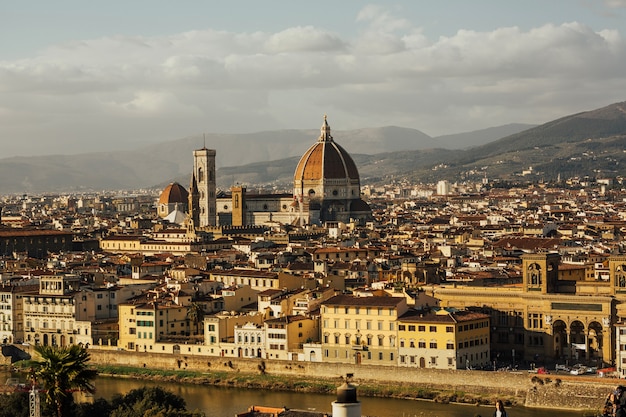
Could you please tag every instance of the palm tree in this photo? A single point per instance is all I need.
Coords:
(195, 314)
(60, 370)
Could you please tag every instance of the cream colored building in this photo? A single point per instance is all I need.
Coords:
(12, 312)
(59, 314)
(361, 329)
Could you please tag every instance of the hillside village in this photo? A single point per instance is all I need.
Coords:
(446, 276)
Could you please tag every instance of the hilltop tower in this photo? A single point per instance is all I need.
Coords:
(203, 181)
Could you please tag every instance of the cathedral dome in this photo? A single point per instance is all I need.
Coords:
(174, 193)
(326, 160)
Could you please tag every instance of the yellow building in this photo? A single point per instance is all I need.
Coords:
(547, 319)
(148, 246)
(443, 339)
(285, 336)
(361, 329)
(154, 317)
(258, 280)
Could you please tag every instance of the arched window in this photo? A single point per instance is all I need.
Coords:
(200, 174)
(534, 273)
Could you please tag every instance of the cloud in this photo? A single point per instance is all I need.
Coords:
(615, 4)
(304, 39)
(138, 88)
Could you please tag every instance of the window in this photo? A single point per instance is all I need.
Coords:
(449, 345)
(411, 328)
(449, 329)
(433, 345)
(433, 329)
(422, 344)
(421, 328)
(402, 327)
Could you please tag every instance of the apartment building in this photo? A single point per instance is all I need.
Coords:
(443, 339)
(361, 329)
(284, 336)
(59, 313)
(12, 312)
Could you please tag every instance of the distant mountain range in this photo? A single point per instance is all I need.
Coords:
(589, 143)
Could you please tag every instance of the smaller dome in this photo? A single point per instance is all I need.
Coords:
(174, 193)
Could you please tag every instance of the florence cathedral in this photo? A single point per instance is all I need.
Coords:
(326, 188)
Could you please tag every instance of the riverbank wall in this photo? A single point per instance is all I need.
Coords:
(530, 390)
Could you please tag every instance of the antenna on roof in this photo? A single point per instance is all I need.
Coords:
(204, 139)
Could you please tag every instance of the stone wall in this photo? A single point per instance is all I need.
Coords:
(545, 391)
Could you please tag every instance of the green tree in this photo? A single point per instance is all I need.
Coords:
(14, 404)
(195, 314)
(61, 370)
(151, 402)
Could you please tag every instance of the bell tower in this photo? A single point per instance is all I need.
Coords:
(540, 272)
(617, 274)
(239, 205)
(204, 175)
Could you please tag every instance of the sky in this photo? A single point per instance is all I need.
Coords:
(81, 76)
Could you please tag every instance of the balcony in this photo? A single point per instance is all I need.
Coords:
(359, 347)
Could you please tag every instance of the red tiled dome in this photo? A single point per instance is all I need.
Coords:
(325, 160)
(174, 193)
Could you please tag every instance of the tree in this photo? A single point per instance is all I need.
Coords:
(14, 404)
(151, 402)
(195, 314)
(61, 370)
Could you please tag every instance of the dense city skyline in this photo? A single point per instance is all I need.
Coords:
(78, 77)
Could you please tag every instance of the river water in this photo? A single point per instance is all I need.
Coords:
(226, 402)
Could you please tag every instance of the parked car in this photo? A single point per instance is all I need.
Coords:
(560, 367)
(542, 370)
(578, 370)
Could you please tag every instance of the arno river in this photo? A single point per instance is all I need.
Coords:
(226, 402)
